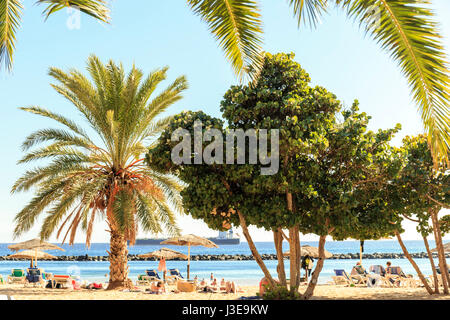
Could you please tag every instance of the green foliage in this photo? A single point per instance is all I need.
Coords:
(444, 224)
(421, 187)
(279, 292)
(328, 166)
(81, 180)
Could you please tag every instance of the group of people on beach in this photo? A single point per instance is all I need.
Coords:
(211, 286)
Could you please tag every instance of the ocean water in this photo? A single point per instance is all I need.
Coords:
(243, 272)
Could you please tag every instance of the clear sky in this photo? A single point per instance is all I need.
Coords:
(153, 34)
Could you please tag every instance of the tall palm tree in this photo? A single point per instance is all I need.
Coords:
(102, 175)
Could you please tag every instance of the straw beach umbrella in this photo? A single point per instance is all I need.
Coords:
(311, 251)
(190, 240)
(446, 248)
(30, 254)
(34, 244)
(164, 254)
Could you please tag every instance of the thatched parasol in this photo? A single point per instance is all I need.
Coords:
(30, 254)
(311, 251)
(36, 245)
(164, 253)
(190, 240)
(446, 248)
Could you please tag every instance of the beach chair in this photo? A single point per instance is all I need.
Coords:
(379, 270)
(359, 274)
(399, 277)
(342, 277)
(17, 276)
(174, 276)
(438, 270)
(35, 277)
(148, 277)
(61, 281)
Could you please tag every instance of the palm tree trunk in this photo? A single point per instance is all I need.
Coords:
(433, 266)
(315, 275)
(118, 276)
(440, 250)
(253, 249)
(415, 266)
(278, 240)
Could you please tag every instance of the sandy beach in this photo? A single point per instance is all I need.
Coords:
(322, 292)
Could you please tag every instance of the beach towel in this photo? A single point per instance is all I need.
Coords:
(373, 280)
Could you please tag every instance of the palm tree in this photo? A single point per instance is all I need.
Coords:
(84, 179)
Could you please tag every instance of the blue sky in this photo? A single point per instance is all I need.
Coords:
(153, 34)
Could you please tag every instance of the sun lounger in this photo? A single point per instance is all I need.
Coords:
(148, 277)
(342, 277)
(399, 277)
(438, 270)
(61, 281)
(359, 274)
(35, 277)
(174, 276)
(17, 276)
(381, 272)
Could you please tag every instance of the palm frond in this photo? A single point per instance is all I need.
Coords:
(94, 8)
(308, 10)
(237, 26)
(406, 30)
(10, 16)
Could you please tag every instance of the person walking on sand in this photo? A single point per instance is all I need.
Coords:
(307, 265)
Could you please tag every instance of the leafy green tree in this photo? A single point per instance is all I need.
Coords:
(424, 190)
(412, 189)
(326, 165)
(102, 175)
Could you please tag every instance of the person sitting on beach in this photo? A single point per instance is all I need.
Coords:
(223, 285)
(358, 269)
(211, 287)
(158, 288)
(395, 282)
(358, 273)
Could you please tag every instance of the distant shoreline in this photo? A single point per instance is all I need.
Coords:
(239, 257)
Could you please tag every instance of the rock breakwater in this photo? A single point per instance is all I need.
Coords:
(240, 257)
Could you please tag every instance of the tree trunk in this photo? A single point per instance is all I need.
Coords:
(440, 250)
(294, 256)
(415, 266)
(278, 240)
(315, 275)
(118, 275)
(433, 266)
(299, 256)
(253, 249)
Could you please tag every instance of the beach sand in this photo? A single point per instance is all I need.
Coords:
(322, 292)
